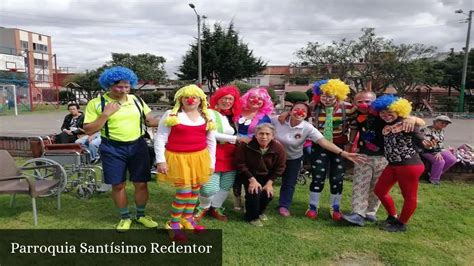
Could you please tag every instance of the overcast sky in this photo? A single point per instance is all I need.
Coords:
(85, 32)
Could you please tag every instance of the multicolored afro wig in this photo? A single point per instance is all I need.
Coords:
(113, 75)
(335, 87)
(266, 109)
(400, 106)
(188, 91)
(236, 109)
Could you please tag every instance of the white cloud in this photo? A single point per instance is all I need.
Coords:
(85, 32)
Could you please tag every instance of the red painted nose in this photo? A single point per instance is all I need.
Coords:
(190, 101)
(255, 101)
(300, 112)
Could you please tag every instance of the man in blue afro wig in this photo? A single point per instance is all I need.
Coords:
(120, 116)
(116, 74)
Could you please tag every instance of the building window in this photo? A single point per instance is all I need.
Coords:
(39, 37)
(41, 63)
(24, 45)
(40, 48)
(39, 77)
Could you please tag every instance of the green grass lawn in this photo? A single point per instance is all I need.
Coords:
(440, 233)
(37, 108)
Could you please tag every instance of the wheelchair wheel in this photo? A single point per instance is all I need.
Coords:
(301, 179)
(47, 173)
(84, 192)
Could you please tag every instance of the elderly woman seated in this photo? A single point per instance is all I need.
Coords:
(440, 158)
(259, 163)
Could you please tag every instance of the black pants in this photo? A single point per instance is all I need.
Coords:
(64, 138)
(255, 204)
(325, 163)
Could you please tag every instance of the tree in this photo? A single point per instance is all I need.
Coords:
(88, 82)
(148, 67)
(371, 61)
(225, 58)
(451, 67)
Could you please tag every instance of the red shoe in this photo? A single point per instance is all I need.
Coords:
(311, 214)
(199, 213)
(336, 216)
(218, 213)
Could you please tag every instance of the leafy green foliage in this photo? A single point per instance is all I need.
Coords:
(148, 67)
(225, 58)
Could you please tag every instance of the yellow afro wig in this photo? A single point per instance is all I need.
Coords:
(393, 103)
(187, 91)
(402, 107)
(336, 87)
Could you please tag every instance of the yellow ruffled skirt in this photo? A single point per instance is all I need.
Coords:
(187, 168)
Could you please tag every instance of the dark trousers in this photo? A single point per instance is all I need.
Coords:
(255, 204)
(325, 163)
(288, 182)
(63, 138)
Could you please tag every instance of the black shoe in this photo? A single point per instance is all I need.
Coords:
(394, 227)
(388, 221)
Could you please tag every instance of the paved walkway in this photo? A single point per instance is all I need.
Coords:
(461, 131)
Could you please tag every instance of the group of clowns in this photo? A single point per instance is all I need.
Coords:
(208, 149)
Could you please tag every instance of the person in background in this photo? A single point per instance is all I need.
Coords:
(440, 158)
(91, 143)
(72, 126)
(259, 163)
(119, 116)
(257, 105)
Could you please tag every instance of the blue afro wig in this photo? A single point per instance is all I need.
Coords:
(114, 74)
(317, 86)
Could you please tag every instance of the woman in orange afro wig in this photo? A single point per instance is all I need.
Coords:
(226, 110)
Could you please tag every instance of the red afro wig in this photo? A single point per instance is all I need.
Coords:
(236, 109)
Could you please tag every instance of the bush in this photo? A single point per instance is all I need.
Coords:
(296, 96)
(152, 97)
(66, 96)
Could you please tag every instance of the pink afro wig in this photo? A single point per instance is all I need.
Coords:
(266, 109)
(236, 109)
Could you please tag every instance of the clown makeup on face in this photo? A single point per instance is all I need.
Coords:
(190, 102)
(363, 100)
(328, 100)
(388, 116)
(299, 112)
(225, 102)
(255, 102)
(120, 89)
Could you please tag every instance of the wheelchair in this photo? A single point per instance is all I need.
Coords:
(79, 175)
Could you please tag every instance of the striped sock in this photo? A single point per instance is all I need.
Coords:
(124, 213)
(140, 210)
(179, 203)
(191, 202)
